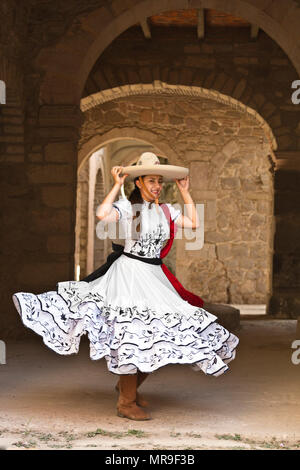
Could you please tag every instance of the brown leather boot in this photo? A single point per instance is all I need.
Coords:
(140, 400)
(127, 407)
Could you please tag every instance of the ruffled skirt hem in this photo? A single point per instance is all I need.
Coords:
(129, 339)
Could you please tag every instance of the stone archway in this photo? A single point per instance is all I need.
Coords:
(100, 27)
(92, 144)
(161, 88)
(219, 166)
(275, 19)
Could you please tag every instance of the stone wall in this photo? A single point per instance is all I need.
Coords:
(257, 73)
(230, 172)
(82, 217)
(47, 51)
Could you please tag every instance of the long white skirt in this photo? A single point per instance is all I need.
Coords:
(134, 318)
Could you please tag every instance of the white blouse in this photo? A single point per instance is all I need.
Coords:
(154, 227)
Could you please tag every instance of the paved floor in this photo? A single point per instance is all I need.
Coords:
(52, 401)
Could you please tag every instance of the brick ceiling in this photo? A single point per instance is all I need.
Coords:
(190, 18)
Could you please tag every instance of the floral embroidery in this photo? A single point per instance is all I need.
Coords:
(150, 245)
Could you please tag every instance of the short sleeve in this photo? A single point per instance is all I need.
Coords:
(174, 212)
(123, 206)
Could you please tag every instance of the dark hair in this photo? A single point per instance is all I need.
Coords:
(135, 195)
(136, 198)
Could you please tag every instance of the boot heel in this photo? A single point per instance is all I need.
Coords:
(127, 406)
(135, 418)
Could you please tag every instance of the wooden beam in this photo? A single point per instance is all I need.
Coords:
(146, 28)
(201, 24)
(254, 31)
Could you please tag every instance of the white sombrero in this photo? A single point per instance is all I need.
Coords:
(148, 164)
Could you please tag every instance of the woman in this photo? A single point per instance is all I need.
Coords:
(133, 314)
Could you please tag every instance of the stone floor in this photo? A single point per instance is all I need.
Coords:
(52, 401)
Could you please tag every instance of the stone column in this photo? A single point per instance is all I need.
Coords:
(93, 168)
(15, 196)
(49, 199)
(82, 217)
(108, 183)
(285, 299)
(98, 198)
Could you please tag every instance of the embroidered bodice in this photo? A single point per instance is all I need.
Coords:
(154, 228)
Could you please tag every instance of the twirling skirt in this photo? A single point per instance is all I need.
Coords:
(133, 317)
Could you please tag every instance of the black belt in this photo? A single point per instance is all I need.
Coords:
(118, 250)
(145, 260)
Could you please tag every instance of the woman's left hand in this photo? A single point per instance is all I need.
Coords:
(183, 183)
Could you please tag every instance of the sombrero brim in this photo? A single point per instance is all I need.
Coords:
(169, 172)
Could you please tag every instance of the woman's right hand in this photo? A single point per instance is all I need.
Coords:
(115, 171)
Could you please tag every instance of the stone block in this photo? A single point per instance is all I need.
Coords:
(257, 220)
(257, 196)
(259, 99)
(207, 62)
(203, 175)
(249, 185)
(228, 87)
(176, 120)
(7, 119)
(228, 316)
(246, 263)
(54, 133)
(13, 130)
(35, 157)
(60, 152)
(13, 139)
(51, 173)
(59, 244)
(245, 60)
(204, 195)
(213, 237)
(239, 89)
(58, 196)
(230, 148)
(60, 115)
(224, 251)
(192, 49)
(268, 109)
(6, 158)
(49, 222)
(240, 250)
(230, 183)
(113, 117)
(146, 116)
(18, 149)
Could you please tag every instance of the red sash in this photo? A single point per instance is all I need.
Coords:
(184, 294)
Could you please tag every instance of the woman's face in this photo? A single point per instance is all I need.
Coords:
(154, 185)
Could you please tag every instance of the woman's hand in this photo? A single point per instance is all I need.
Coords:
(183, 183)
(115, 171)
